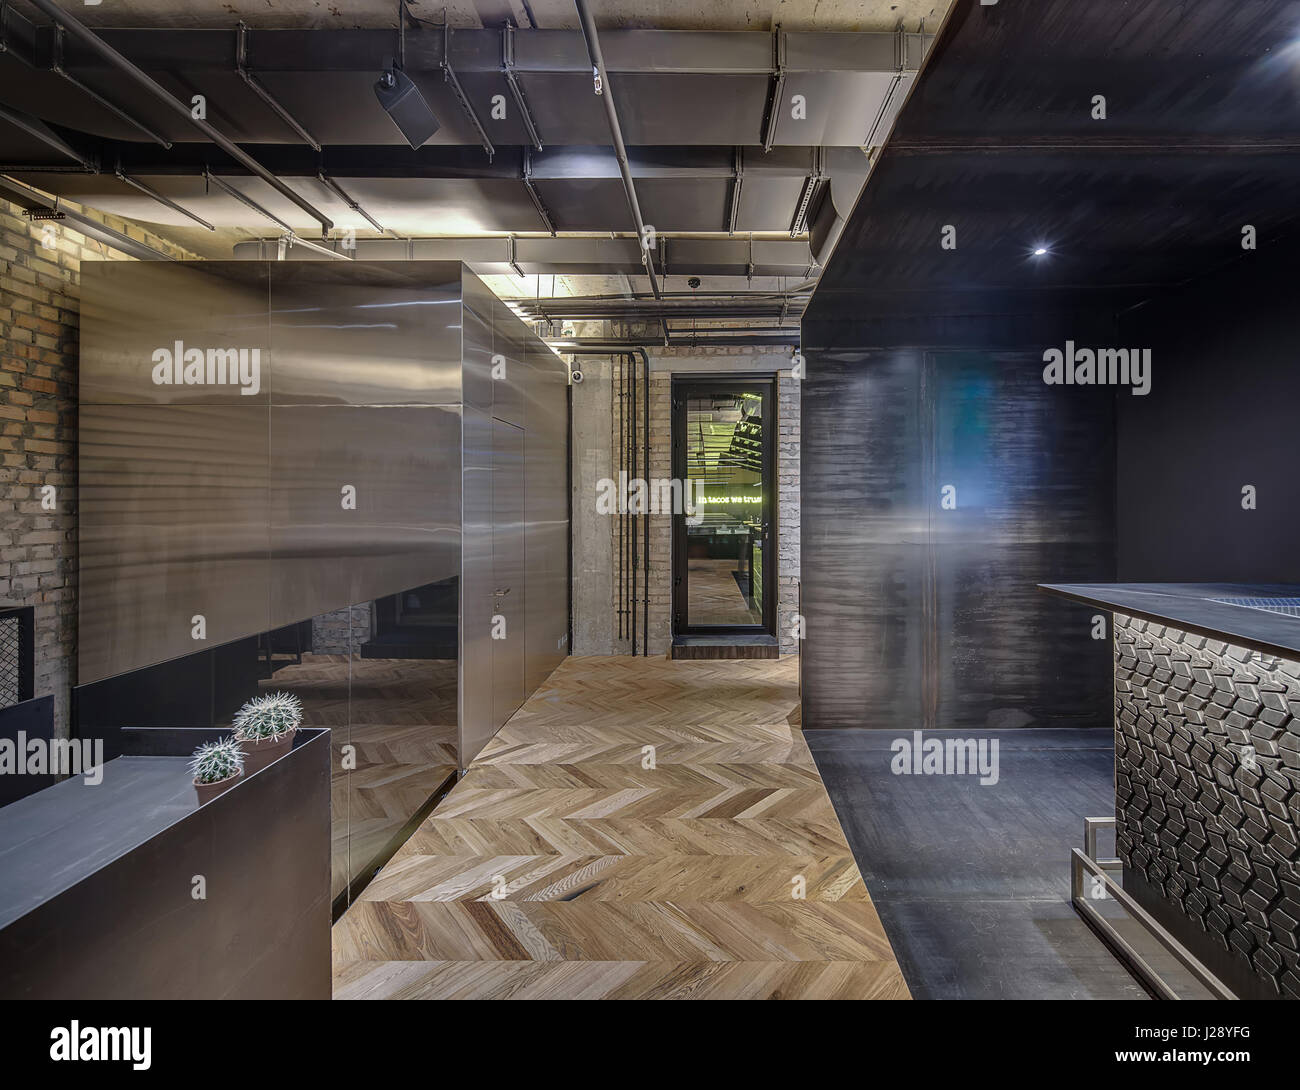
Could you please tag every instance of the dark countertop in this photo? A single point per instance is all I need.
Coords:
(1192, 608)
(53, 839)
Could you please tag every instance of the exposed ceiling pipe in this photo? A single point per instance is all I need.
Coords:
(84, 224)
(57, 67)
(167, 202)
(600, 344)
(606, 93)
(98, 45)
(247, 201)
(241, 66)
(728, 306)
(36, 128)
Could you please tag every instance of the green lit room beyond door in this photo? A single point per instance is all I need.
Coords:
(724, 567)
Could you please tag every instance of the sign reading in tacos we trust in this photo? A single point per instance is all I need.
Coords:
(181, 366)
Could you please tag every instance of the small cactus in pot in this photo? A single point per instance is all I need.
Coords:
(265, 726)
(216, 767)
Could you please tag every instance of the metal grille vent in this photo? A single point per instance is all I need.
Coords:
(17, 655)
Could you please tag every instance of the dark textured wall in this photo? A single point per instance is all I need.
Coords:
(1221, 414)
(923, 617)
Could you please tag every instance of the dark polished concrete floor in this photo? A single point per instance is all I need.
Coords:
(971, 881)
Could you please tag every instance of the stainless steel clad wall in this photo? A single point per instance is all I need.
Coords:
(318, 436)
(356, 475)
(365, 394)
(514, 574)
(174, 509)
(546, 514)
(222, 494)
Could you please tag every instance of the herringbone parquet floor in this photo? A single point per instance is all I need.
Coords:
(642, 828)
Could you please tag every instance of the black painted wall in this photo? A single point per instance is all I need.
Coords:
(926, 618)
(1223, 412)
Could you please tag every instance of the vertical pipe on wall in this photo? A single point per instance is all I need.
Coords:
(622, 450)
(637, 515)
(645, 529)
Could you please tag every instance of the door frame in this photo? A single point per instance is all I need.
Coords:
(683, 387)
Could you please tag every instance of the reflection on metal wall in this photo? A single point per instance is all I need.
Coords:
(514, 597)
(476, 586)
(546, 515)
(282, 450)
(925, 616)
(261, 443)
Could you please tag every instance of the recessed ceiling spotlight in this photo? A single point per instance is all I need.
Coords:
(1039, 251)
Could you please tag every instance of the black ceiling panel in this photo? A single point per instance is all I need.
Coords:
(997, 142)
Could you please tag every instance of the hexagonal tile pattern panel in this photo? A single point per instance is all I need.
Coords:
(1207, 787)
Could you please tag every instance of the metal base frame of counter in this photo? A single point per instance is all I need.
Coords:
(1083, 863)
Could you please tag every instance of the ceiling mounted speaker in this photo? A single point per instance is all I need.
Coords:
(406, 106)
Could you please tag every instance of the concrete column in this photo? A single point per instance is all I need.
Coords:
(593, 555)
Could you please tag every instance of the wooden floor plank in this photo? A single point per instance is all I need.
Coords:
(641, 828)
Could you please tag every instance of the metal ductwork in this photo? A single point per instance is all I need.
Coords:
(159, 94)
(605, 91)
(577, 256)
(528, 163)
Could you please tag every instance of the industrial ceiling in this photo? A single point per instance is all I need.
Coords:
(742, 144)
(1077, 156)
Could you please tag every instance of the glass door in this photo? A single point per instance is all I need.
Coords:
(723, 573)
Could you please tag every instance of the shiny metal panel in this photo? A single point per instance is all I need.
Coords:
(476, 585)
(509, 335)
(863, 525)
(231, 506)
(404, 530)
(129, 310)
(173, 524)
(509, 591)
(372, 334)
(546, 515)
(928, 616)
(476, 341)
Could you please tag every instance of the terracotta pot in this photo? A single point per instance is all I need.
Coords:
(259, 754)
(209, 791)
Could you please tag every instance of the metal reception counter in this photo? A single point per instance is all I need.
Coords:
(1207, 769)
(120, 884)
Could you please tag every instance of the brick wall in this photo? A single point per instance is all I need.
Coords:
(40, 265)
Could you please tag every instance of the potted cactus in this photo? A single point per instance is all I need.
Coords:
(217, 767)
(264, 728)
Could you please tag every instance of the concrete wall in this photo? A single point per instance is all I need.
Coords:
(594, 623)
(40, 305)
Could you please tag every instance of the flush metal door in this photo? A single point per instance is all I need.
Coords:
(507, 570)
